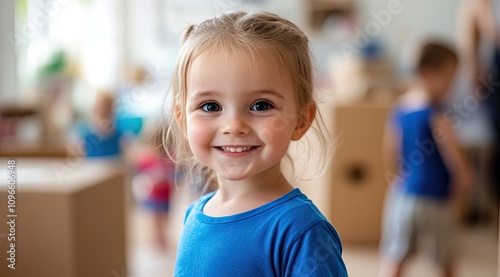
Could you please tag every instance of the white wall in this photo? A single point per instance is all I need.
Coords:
(8, 66)
(417, 18)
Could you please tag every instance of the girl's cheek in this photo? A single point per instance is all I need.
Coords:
(197, 139)
(274, 129)
(195, 128)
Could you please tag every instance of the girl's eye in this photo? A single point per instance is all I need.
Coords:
(261, 106)
(211, 107)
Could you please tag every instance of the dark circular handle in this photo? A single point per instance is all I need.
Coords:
(356, 173)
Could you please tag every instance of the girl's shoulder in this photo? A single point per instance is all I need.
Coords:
(310, 233)
(299, 213)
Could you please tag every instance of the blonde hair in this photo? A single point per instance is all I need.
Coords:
(259, 34)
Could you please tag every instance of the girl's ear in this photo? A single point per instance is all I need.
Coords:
(304, 121)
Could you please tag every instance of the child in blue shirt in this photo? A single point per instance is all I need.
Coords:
(101, 138)
(422, 153)
(243, 90)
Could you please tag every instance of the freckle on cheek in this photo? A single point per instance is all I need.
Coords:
(268, 134)
(278, 125)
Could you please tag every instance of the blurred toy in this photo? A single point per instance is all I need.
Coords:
(55, 101)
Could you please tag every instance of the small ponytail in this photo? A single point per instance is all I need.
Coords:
(187, 32)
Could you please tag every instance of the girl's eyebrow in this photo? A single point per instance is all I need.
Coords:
(212, 93)
(269, 91)
(204, 94)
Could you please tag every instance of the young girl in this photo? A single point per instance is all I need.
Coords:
(242, 92)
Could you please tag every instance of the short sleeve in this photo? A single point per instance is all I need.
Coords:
(317, 252)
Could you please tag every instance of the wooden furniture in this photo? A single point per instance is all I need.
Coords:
(10, 115)
(70, 218)
(11, 148)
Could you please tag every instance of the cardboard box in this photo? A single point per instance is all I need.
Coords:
(356, 173)
(17, 148)
(70, 218)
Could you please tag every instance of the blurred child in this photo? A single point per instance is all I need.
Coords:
(101, 137)
(479, 40)
(154, 182)
(421, 149)
(243, 91)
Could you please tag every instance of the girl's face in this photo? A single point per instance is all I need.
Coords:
(240, 115)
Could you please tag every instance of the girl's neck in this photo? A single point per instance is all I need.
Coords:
(239, 196)
(261, 184)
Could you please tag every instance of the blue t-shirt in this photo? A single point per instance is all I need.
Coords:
(286, 237)
(102, 144)
(422, 170)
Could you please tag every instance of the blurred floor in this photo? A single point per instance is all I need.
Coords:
(477, 253)
(144, 259)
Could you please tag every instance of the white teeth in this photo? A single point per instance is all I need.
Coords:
(236, 150)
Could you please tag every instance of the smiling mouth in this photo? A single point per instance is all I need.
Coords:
(236, 149)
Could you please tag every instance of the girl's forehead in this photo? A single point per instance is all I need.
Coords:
(253, 59)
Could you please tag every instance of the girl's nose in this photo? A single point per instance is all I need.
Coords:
(235, 125)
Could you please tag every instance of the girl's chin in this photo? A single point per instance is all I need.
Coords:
(233, 177)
